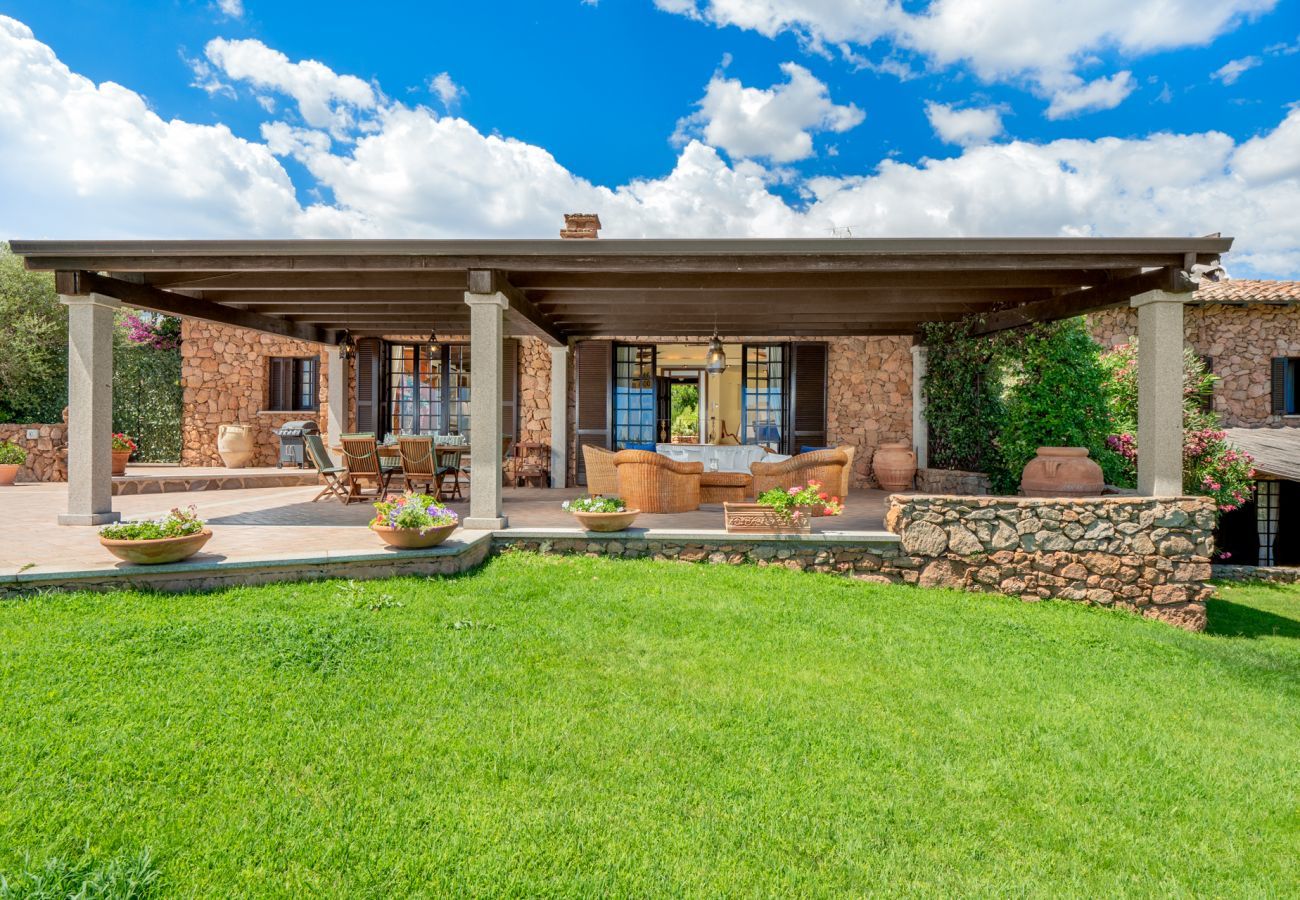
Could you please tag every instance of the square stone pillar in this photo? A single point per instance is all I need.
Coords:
(90, 410)
(1160, 393)
(920, 425)
(486, 334)
(559, 416)
(336, 400)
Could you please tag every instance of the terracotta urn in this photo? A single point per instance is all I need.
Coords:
(894, 466)
(606, 521)
(8, 472)
(235, 445)
(119, 461)
(413, 538)
(156, 552)
(1062, 472)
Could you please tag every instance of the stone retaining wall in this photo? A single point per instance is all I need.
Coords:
(1271, 574)
(1146, 555)
(47, 455)
(953, 481)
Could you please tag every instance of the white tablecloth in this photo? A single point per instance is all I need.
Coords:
(728, 457)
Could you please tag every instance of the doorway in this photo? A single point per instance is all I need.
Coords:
(678, 410)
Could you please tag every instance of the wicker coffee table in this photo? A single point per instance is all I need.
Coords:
(721, 487)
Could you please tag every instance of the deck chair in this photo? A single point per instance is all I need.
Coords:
(417, 461)
(448, 463)
(361, 456)
(333, 475)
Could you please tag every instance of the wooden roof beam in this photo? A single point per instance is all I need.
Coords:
(1088, 300)
(522, 316)
(143, 296)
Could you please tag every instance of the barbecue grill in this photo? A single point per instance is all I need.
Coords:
(293, 450)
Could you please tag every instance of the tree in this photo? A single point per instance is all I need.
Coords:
(33, 344)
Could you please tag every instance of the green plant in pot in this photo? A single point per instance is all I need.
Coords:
(413, 521)
(601, 513)
(170, 538)
(123, 446)
(796, 505)
(12, 458)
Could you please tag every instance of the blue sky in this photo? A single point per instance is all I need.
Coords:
(690, 117)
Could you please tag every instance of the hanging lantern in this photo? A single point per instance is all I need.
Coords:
(347, 345)
(715, 360)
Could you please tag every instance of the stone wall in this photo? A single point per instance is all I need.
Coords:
(534, 390)
(953, 481)
(224, 375)
(1142, 554)
(868, 397)
(1241, 341)
(47, 455)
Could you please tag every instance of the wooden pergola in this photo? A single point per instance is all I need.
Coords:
(567, 290)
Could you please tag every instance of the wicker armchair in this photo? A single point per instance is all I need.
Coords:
(653, 483)
(602, 477)
(830, 467)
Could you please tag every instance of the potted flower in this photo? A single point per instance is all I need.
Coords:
(601, 513)
(12, 458)
(782, 510)
(413, 521)
(123, 447)
(170, 538)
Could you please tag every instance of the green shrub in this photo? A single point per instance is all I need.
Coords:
(11, 454)
(963, 401)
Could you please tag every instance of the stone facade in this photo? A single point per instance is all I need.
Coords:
(868, 397)
(1142, 554)
(534, 390)
(1240, 340)
(224, 375)
(47, 455)
(953, 481)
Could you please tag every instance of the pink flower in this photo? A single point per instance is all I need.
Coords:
(793, 491)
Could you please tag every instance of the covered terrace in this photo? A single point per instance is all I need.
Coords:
(569, 291)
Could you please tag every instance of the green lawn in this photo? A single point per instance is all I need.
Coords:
(575, 727)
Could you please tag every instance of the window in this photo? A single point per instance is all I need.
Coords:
(763, 396)
(1286, 386)
(427, 389)
(634, 395)
(293, 383)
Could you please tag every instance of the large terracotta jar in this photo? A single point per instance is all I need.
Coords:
(1062, 472)
(894, 466)
(120, 459)
(235, 445)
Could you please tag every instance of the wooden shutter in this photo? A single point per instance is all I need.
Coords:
(510, 388)
(1279, 385)
(369, 353)
(807, 395)
(279, 383)
(593, 373)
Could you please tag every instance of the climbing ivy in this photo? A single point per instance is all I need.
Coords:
(963, 402)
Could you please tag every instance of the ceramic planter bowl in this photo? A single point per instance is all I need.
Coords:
(606, 521)
(8, 473)
(411, 538)
(156, 552)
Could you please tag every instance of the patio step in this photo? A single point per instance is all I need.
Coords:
(154, 481)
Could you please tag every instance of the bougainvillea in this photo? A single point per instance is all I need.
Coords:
(159, 332)
(1211, 466)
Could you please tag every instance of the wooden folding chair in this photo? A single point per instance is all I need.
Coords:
(333, 474)
(418, 461)
(448, 466)
(361, 456)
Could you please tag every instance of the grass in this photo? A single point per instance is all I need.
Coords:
(578, 727)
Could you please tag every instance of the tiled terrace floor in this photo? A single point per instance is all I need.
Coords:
(269, 523)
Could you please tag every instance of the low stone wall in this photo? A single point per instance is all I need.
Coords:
(1271, 574)
(953, 481)
(47, 455)
(1147, 555)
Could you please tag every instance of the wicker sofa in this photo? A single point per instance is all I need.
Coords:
(831, 467)
(602, 477)
(653, 483)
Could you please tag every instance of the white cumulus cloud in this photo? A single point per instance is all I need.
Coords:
(445, 89)
(1101, 93)
(973, 125)
(1230, 71)
(775, 123)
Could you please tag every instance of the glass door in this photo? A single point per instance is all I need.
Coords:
(635, 400)
(763, 395)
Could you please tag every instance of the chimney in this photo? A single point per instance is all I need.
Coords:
(580, 226)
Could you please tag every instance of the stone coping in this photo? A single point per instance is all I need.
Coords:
(716, 537)
(1271, 574)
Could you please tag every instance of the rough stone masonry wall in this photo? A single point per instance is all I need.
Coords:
(47, 456)
(953, 481)
(534, 390)
(1241, 340)
(1146, 555)
(224, 375)
(868, 396)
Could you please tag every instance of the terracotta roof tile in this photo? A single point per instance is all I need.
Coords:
(1240, 290)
